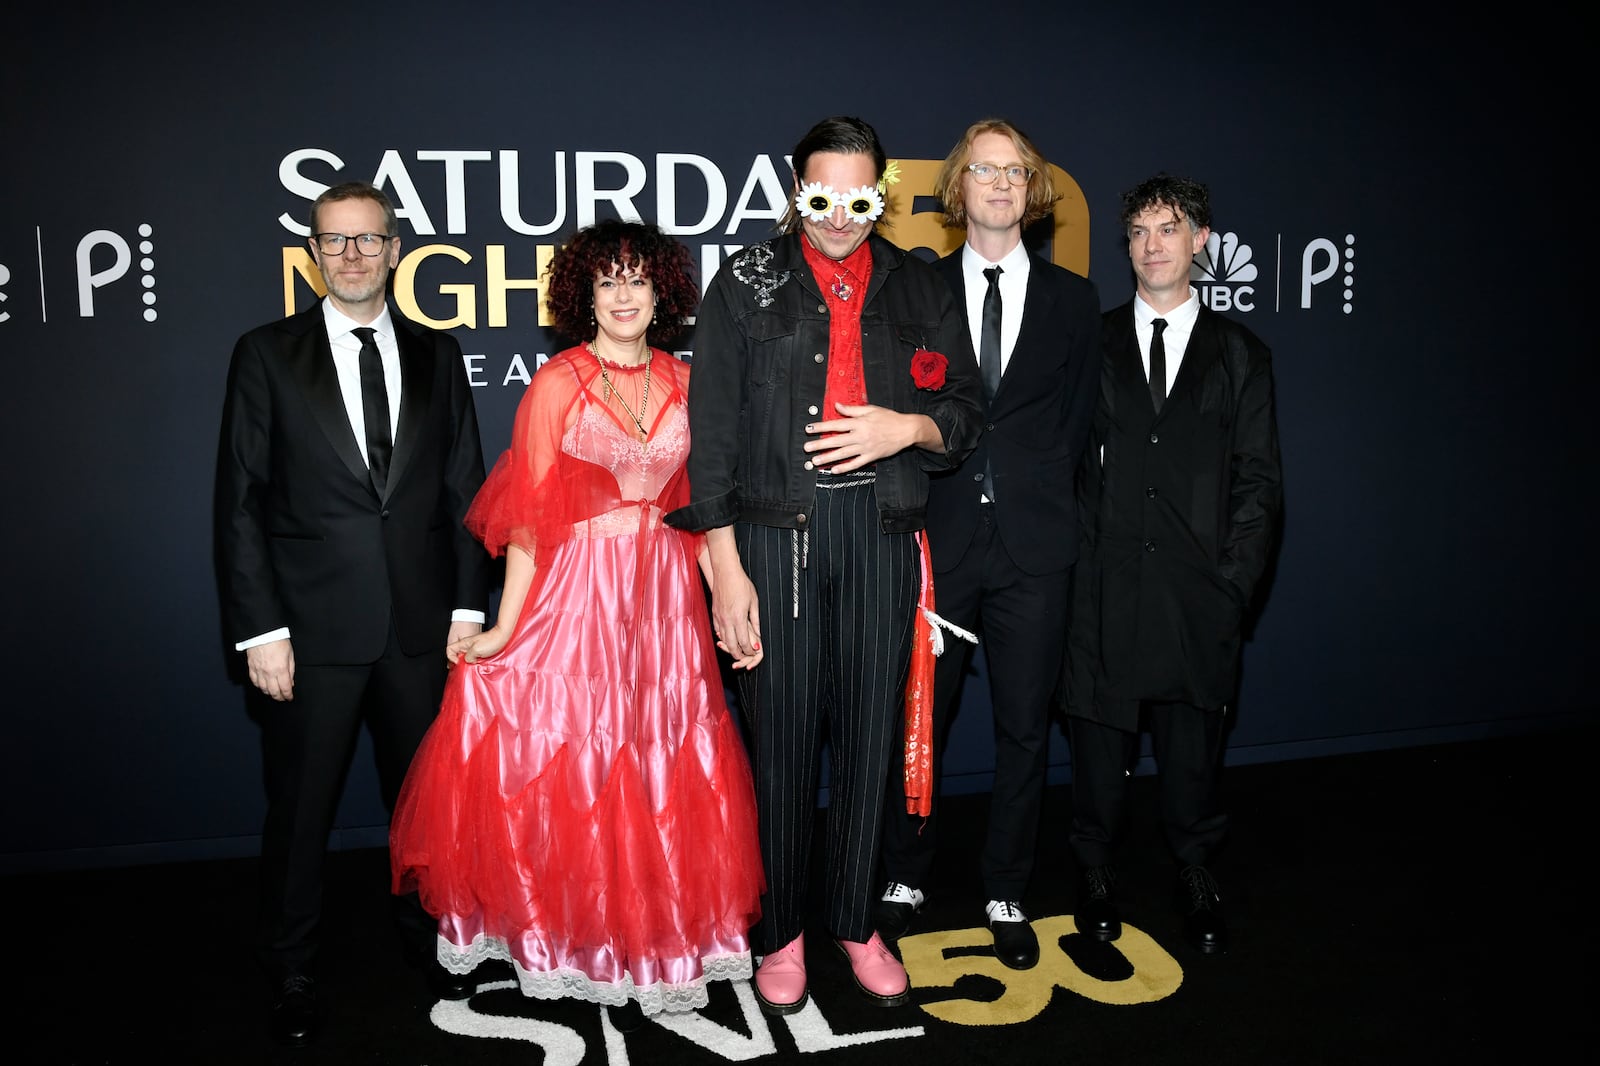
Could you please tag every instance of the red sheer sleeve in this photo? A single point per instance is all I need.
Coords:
(535, 492)
(540, 492)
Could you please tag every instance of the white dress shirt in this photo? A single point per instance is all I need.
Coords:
(1013, 294)
(1174, 339)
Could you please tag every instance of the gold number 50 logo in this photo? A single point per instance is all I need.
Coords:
(938, 960)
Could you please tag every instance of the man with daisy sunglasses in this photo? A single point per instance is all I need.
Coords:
(832, 374)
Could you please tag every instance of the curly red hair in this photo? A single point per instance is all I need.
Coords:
(597, 251)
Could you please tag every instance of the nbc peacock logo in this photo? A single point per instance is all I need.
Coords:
(1224, 273)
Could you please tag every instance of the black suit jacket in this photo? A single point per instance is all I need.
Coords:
(1181, 514)
(1034, 430)
(303, 538)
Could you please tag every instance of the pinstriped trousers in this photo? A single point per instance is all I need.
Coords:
(834, 669)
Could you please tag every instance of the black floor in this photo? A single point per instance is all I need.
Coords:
(1409, 906)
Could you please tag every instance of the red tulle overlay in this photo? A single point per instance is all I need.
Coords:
(583, 806)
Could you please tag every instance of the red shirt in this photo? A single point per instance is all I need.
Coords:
(844, 289)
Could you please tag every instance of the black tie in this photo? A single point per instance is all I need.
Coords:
(1158, 363)
(989, 356)
(375, 408)
(989, 339)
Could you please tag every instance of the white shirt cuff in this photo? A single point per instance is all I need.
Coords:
(265, 638)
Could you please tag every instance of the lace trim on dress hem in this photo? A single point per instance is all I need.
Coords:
(573, 984)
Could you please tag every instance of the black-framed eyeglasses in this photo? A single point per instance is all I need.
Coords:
(985, 173)
(368, 244)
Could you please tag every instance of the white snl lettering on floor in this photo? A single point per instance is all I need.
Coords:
(564, 1046)
(933, 960)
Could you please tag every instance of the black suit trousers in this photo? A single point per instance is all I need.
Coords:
(1187, 742)
(1021, 620)
(307, 745)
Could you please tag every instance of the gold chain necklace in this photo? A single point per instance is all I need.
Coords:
(611, 389)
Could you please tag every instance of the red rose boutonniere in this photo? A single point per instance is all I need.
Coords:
(927, 369)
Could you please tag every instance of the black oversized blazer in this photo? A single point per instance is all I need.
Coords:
(1180, 513)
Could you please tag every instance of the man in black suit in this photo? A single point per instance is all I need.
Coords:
(1001, 527)
(1182, 497)
(349, 455)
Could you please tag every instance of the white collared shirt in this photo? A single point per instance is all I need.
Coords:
(1013, 294)
(1174, 339)
(347, 363)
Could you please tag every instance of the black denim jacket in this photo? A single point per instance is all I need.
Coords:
(760, 369)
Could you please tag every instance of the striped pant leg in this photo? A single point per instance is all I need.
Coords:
(868, 599)
(782, 703)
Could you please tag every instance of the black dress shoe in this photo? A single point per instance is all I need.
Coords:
(896, 909)
(446, 985)
(295, 1018)
(1200, 904)
(628, 1018)
(1097, 916)
(442, 984)
(1014, 942)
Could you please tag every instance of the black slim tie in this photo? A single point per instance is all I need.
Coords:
(989, 356)
(375, 408)
(989, 338)
(1158, 363)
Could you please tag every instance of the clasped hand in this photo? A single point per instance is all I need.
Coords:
(863, 434)
(472, 642)
(735, 621)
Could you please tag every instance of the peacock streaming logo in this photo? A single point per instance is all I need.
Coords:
(92, 248)
(107, 274)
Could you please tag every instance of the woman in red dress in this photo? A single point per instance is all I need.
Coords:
(582, 807)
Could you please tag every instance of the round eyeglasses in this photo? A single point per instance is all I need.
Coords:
(985, 173)
(368, 244)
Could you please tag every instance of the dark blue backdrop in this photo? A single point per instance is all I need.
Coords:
(1439, 532)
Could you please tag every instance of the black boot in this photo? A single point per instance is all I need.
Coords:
(1097, 916)
(628, 1018)
(1200, 904)
(296, 1017)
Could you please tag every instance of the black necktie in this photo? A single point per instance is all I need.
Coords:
(989, 338)
(1158, 363)
(989, 356)
(375, 408)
